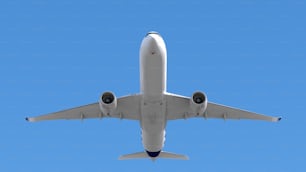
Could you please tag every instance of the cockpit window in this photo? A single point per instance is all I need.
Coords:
(152, 32)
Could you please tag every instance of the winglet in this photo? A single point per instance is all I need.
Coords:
(29, 119)
(276, 119)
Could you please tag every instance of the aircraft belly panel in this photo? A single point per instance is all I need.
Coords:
(153, 125)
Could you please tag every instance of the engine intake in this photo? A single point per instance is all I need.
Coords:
(198, 103)
(108, 103)
(108, 98)
(198, 97)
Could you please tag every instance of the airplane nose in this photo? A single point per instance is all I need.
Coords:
(152, 37)
(153, 44)
(151, 40)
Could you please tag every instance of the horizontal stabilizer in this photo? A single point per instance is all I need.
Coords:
(172, 156)
(137, 155)
(140, 155)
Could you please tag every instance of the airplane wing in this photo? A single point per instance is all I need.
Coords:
(128, 107)
(220, 111)
(178, 107)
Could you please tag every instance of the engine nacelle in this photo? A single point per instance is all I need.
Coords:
(108, 103)
(198, 103)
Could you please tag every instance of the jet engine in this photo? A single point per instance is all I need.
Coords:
(108, 103)
(198, 103)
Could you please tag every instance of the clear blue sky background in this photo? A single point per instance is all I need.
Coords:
(61, 54)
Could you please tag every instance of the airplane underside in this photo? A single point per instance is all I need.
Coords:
(153, 106)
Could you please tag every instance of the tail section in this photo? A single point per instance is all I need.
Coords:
(140, 155)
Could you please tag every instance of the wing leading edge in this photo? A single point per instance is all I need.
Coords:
(178, 107)
(128, 107)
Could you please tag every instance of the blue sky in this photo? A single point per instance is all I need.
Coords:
(60, 54)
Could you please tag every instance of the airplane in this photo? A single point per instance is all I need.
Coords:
(153, 106)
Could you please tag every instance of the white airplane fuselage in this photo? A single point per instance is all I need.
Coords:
(153, 74)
